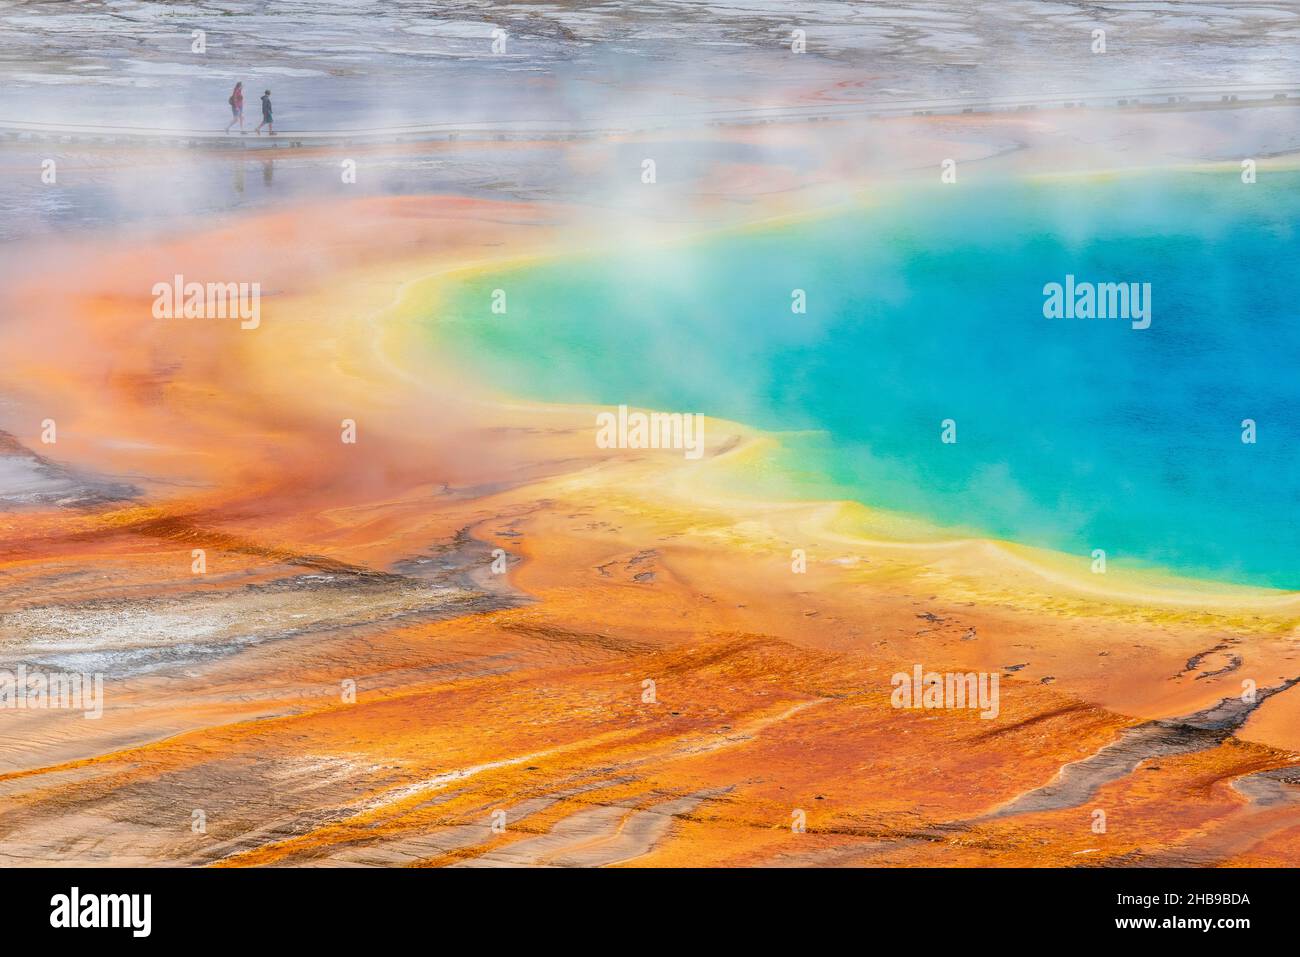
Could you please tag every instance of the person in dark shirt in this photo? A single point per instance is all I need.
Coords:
(266, 114)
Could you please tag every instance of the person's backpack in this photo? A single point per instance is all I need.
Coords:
(231, 101)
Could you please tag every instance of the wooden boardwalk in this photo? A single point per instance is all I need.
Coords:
(1182, 99)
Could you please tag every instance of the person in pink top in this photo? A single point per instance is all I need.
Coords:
(237, 107)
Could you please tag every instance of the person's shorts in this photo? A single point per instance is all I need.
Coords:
(266, 117)
(235, 111)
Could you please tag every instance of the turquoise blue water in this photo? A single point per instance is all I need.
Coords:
(1071, 434)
